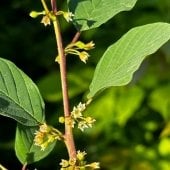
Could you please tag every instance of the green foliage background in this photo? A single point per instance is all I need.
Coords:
(130, 119)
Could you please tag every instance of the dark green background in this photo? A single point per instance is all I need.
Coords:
(119, 141)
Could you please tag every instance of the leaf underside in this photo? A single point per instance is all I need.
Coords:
(122, 59)
(90, 14)
(19, 97)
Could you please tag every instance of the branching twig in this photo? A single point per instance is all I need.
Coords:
(76, 37)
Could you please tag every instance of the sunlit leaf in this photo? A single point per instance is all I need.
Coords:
(19, 97)
(123, 58)
(92, 13)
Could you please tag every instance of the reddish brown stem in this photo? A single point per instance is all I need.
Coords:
(76, 37)
(69, 140)
(53, 5)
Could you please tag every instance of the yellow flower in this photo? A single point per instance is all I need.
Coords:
(76, 113)
(39, 138)
(82, 125)
(64, 163)
(94, 165)
(68, 16)
(89, 45)
(89, 121)
(44, 128)
(83, 56)
(46, 135)
(81, 107)
(46, 20)
(81, 155)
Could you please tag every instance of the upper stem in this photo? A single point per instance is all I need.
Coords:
(69, 140)
(63, 71)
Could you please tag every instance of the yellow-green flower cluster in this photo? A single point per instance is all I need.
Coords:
(78, 163)
(77, 116)
(46, 135)
(80, 49)
(50, 15)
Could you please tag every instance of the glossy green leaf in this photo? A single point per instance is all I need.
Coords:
(92, 13)
(19, 97)
(123, 58)
(25, 149)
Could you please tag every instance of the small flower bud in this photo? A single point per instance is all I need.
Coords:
(61, 119)
(94, 165)
(89, 45)
(81, 45)
(72, 161)
(34, 14)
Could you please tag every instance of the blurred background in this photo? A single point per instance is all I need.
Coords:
(133, 122)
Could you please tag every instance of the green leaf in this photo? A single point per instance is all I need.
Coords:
(92, 13)
(25, 149)
(159, 100)
(19, 97)
(123, 58)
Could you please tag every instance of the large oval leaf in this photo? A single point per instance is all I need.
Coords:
(123, 58)
(92, 13)
(25, 149)
(19, 97)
